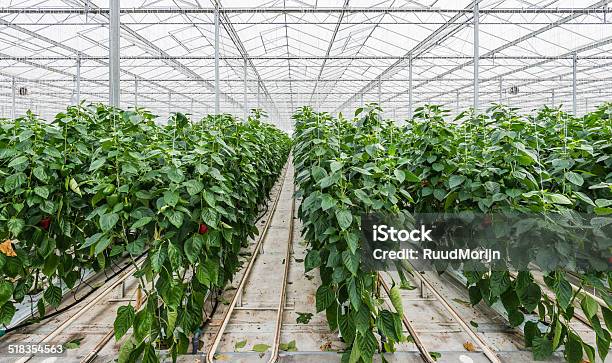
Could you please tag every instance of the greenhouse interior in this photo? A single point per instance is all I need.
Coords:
(305, 181)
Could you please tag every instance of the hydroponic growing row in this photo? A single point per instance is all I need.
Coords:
(98, 184)
(545, 165)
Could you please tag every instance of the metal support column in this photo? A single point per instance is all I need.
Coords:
(457, 100)
(476, 57)
(78, 79)
(574, 69)
(113, 63)
(361, 95)
(14, 91)
(379, 92)
(501, 91)
(216, 58)
(410, 87)
(246, 106)
(169, 104)
(258, 96)
(135, 92)
(552, 94)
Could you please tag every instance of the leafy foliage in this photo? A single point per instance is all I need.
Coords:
(550, 164)
(99, 183)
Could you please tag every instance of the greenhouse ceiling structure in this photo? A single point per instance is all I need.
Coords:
(202, 57)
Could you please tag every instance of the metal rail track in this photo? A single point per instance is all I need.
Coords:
(415, 337)
(210, 355)
(85, 308)
(486, 350)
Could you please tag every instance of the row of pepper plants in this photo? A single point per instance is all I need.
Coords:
(547, 164)
(344, 170)
(97, 184)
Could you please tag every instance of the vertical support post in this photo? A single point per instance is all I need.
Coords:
(135, 92)
(14, 91)
(361, 95)
(379, 92)
(574, 71)
(410, 107)
(246, 106)
(78, 79)
(216, 57)
(114, 69)
(476, 57)
(457, 100)
(191, 110)
(258, 97)
(501, 91)
(169, 104)
(552, 94)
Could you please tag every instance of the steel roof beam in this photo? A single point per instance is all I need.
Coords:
(417, 50)
(279, 10)
(329, 48)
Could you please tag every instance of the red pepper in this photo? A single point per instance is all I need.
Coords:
(203, 228)
(45, 223)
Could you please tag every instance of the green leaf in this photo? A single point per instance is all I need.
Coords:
(327, 202)
(399, 175)
(193, 187)
(335, 166)
(347, 327)
(563, 291)
(589, 306)
(344, 218)
(53, 295)
(573, 349)
(574, 178)
(176, 218)
(125, 351)
(456, 180)
(159, 257)
(7, 311)
(74, 186)
(15, 226)
(367, 344)
(40, 174)
(351, 261)
(97, 164)
(303, 318)
(411, 177)
(542, 348)
(193, 248)
(240, 344)
(261, 348)
(171, 198)
(312, 260)
(6, 291)
(108, 221)
(141, 222)
(124, 320)
(325, 297)
(42, 192)
(558, 199)
(101, 245)
(18, 161)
